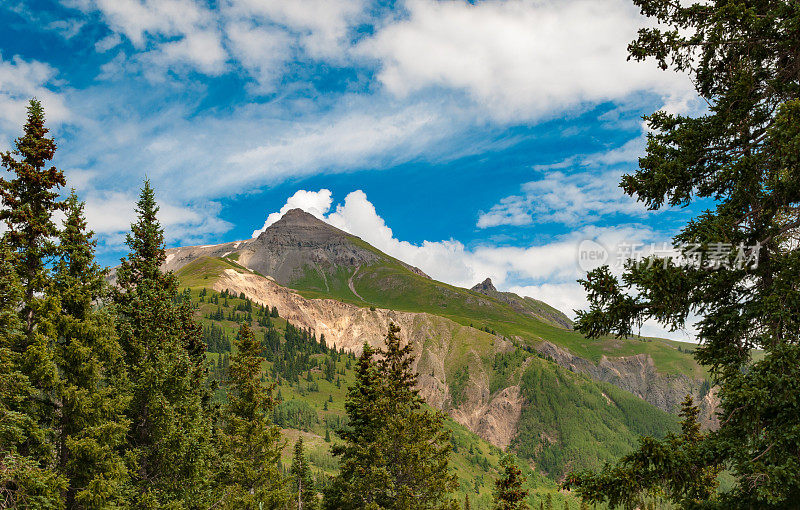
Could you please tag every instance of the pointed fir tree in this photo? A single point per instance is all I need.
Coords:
(168, 447)
(91, 425)
(27, 478)
(250, 442)
(509, 491)
(304, 494)
(395, 455)
(29, 198)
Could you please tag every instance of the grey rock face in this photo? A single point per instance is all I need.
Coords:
(299, 241)
(485, 286)
(525, 305)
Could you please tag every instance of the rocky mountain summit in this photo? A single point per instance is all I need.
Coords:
(485, 287)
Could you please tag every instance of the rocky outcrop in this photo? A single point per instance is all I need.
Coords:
(638, 375)
(299, 241)
(485, 286)
(493, 417)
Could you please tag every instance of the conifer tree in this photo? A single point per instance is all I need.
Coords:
(91, 425)
(395, 455)
(29, 198)
(168, 444)
(302, 484)
(509, 493)
(740, 270)
(250, 441)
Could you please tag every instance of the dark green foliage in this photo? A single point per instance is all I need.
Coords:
(295, 414)
(509, 491)
(168, 446)
(572, 421)
(304, 494)
(216, 339)
(742, 157)
(27, 480)
(395, 454)
(250, 443)
(295, 355)
(658, 467)
(90, 423)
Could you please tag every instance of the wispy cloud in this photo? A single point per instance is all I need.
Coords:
(576, 199)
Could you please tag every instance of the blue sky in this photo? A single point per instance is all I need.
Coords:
(471, 139)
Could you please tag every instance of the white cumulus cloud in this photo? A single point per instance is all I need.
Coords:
(20, 80)
(576, 199)
(520, 59)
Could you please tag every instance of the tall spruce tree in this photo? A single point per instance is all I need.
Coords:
(509, 491)
(28, 200)
(741, 159)
(168, 444)
(251, 443)
(304, 494)
(395, 455)
(90, 426)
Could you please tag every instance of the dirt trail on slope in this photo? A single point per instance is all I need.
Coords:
(350, 283)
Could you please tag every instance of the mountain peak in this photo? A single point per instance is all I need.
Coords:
(485, 286)
(300, 226)
(298, 216)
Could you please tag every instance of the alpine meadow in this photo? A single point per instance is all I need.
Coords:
(610, 321)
